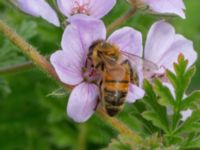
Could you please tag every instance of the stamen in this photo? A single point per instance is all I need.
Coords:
(81, 9)
(90, 73)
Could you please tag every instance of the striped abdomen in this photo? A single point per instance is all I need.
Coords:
(114, 92)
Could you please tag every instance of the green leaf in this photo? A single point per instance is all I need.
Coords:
(122, 143)
(152, 116)
(181, 66)
(191, 124)
(193, 145)
(156, 113)
(182, 78)
(190, 100)
(172, 78)
(9, 54)
(59, 93)
(4, 88)
(166, 98)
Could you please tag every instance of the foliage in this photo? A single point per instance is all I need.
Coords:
(170, 131)
(32, 117)
(159, 98)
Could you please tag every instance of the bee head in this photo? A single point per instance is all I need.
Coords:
(100, 49)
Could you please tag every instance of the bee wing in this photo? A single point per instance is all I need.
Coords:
(142, 68)
(136, 62)
(113, 68)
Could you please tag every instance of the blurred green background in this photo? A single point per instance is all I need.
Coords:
(31, 118)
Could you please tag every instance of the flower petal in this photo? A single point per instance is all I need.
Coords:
(82, 102)
(159, 39)
(99, 8)
(68, 66)
(66, 6)
(128, 40)
(38, 8)
(163, 46)
(186, 114)
(134, 93)
(167, 6)
(81, 33)
(180, 45)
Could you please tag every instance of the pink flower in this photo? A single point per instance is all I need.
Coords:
(38, 8)
(94, 8)
(162, 6)
(186, 114)
(163, 46)
(69, 63)
(167, 6)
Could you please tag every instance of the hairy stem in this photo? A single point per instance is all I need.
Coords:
(121, 20)
(14, 68)
(27, 49)
(46, 67)
(81, 143)
(118, 125)
(31, 52)
(110, 28)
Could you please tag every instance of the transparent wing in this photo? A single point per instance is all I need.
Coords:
(141, 68)
(113, 68)
(136, 61)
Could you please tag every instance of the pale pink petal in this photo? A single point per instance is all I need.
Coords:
(99, 8)
(134, 93)
(81, 33)
(38, 8)
(82, 102)
(66, 6)
(68, 66)
(128, 40)
(167, 6)
(180, 45)
(163, 46)
(186, 114)
(159, 39)
(141, 75)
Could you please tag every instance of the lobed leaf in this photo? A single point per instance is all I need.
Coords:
(166, 97)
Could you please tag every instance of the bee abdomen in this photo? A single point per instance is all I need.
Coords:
(115, 98)
(114, 101)
(113, 110)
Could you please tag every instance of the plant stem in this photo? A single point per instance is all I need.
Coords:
(46, 67)
(110, 28)
(31, 52)
(81, 141)
(118, 125)
(14, 68)
(121, 20)
(27, 49)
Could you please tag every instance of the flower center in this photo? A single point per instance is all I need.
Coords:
(90, 73)
(81, 8)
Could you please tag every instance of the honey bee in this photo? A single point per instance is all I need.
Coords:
(117, 72)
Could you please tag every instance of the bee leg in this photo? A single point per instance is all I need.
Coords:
(133, 72)
(98, 101)
(99, 97)
(100, 66)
